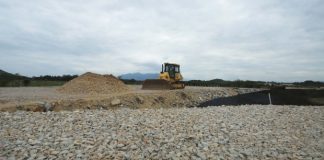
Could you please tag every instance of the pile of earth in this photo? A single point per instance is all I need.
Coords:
(92, 83)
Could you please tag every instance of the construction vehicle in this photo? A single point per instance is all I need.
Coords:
(170, 78)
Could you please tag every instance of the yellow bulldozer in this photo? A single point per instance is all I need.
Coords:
(170, 78)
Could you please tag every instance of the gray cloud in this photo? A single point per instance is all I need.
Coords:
(228, 39)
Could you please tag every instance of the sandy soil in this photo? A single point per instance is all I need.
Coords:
(39, 98)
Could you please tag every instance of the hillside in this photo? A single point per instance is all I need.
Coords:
(139, 76)
(6, 75)
(9, 79)
(15, 80)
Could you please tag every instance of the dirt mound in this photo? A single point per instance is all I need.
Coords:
(91, 83)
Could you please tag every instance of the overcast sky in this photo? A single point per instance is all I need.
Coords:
(228, 39)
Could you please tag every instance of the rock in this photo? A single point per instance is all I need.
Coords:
(19, 142)
(64, 152)
(201, 155)
(133, 147)
(120, 145)
(33, 142)
(321, 145)
(48, 107)
(54, 152)
(115, 102)
(139, 100)
(126, 156)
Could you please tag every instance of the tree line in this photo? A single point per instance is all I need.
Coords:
(8, 79)
(54, 78)
(16, 80)
(238, 83)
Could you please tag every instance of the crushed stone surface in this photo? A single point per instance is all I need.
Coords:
(226, 132)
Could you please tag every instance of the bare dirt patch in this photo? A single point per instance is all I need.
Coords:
(49, 98)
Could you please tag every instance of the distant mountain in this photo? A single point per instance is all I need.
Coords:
(139, 76)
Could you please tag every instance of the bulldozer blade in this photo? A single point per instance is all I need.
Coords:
(156, 84)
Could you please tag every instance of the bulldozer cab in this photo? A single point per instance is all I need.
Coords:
(172, 69)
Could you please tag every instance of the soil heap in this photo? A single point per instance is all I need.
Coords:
(92, 83)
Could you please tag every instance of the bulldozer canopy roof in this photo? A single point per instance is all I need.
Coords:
(171, 64)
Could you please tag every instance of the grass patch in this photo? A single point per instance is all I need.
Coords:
(38, 83)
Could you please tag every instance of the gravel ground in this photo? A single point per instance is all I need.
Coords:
(227, 132)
